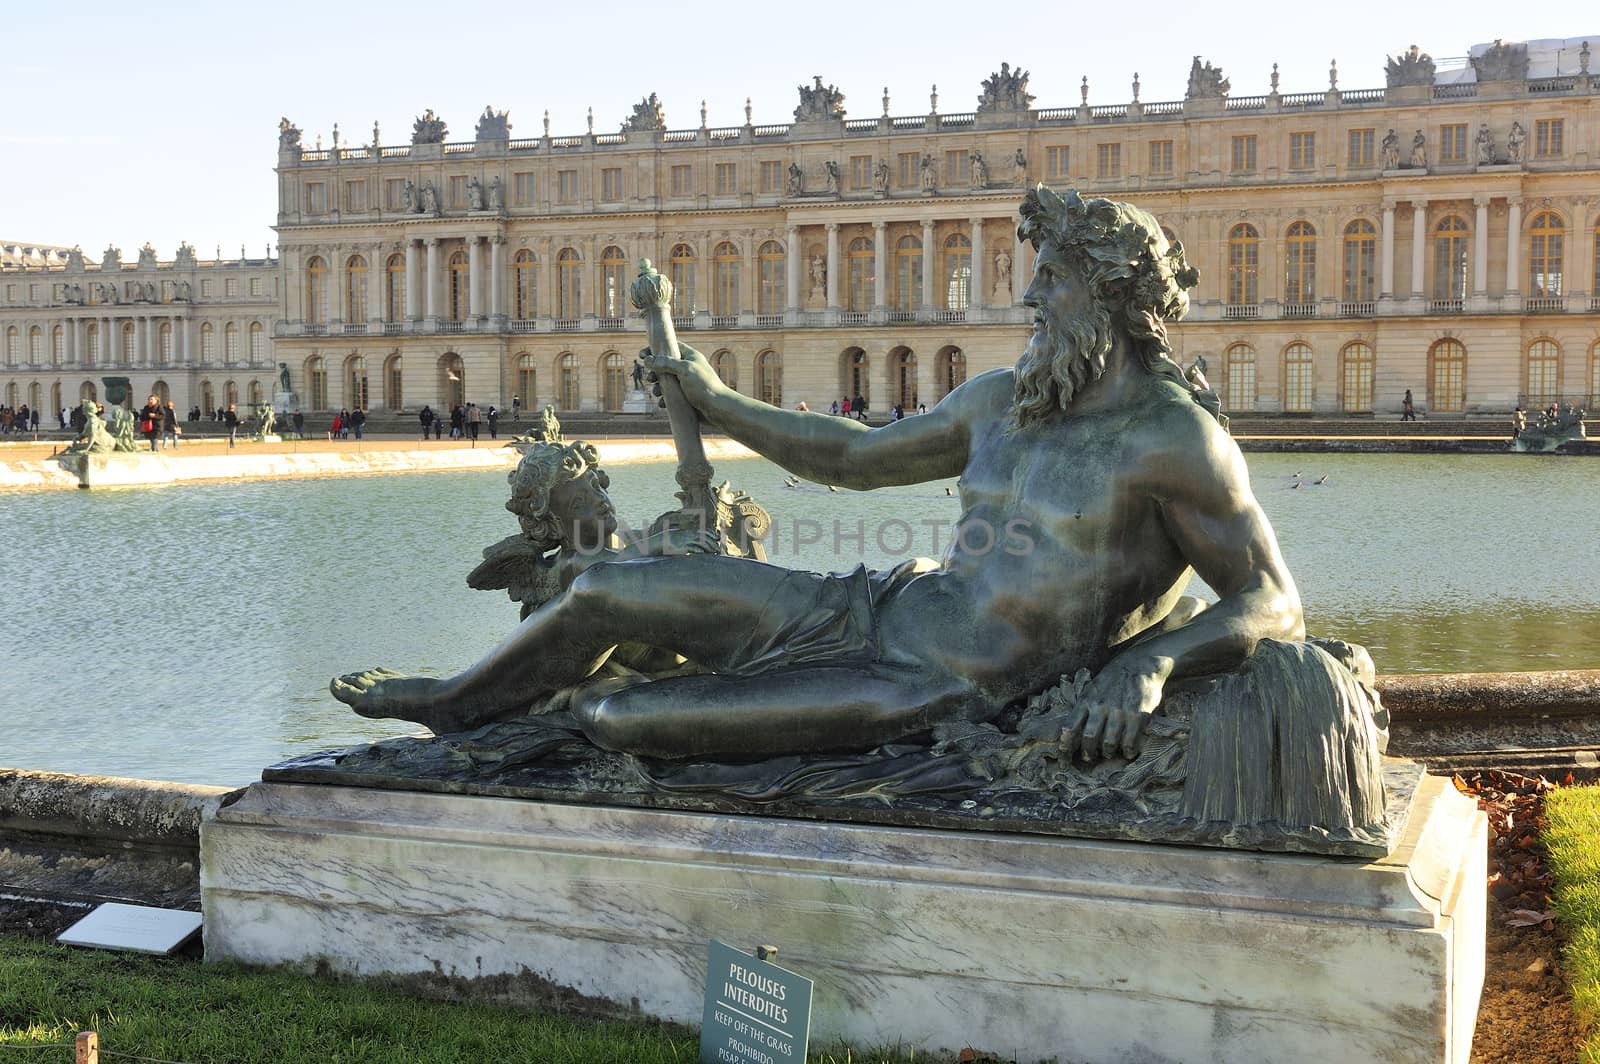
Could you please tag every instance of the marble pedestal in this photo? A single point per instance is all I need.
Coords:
(1036, 947)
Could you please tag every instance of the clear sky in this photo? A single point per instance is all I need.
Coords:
(134, 122)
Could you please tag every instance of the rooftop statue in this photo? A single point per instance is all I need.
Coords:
(1206, 82)
(1414, 67)
(493, 125)
(429, 128)
(648, 116)
(1048, 669)
(288, 135)
(1502, 62)
(1005, 91)
(819, 102)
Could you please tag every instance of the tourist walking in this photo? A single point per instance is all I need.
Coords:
(358, 420)
(1408, 409)
(230, 420)
(860, 407)
(845, 406)
(337, 426)
(516, 408)
(493, 418)
(150, 417)
(474, 419)
(169, 425)
(299, 425)
(425, 415)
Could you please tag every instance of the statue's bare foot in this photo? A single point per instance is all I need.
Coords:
(387, 693)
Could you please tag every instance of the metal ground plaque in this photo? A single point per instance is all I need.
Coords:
(756, 1012)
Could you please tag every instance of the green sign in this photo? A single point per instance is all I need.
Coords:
(756, 1012)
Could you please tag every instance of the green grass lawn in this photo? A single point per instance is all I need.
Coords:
(1572, 841)
(179, 1010)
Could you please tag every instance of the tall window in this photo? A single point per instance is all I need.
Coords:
(1547, 137)
(1108, 160)
(94, 344)
(952, 369)
(130, 344)
(1594, 377)
(355, 195)
(769, 377)
(1453, 143)
(1300, 264)
(1302, 151)
(355, 289)
(394, 290)
(611, 184)
(613, 282)
(905, 379)
(1239, 365)
(258, 343)
(523, 188)
(957, 272)
(910, 169)
(208, 395)
(1360, 262)
(1594, 288)
(1450, 258)
(771, 175)
(1359, 150)
(230, 393)
(862, 274)
(725, 280)
(316, 382)
(567, 382)
(1298, 377)
(1244, 257)
(1447, 376)
(452, 380)
(1544, 373)
(682, 267)
(1161, 158)
(908, 273)
(460, 281)
(1055, 162)
(355, 383)
(727, 368)
(316, 290)
(164, 344)
(58, 345)
(683, 181)
(569, 286)
(1544, 255)
(957, 167)
(1355, 378)
(725, 179)
(611, 380)
(525, 276)
(566, 186)
(230, 343)
(771, 296)
(36, 344)
(1244, 154)
(856, 374)
(393, 383)
(527, 380)
(208, 342)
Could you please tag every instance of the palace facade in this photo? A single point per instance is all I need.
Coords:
(195, 331)
(1438, 233)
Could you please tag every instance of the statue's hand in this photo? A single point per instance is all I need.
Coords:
(693, 373)
(1111, 713)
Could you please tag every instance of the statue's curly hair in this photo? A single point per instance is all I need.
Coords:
(1139, 276)
(543, 467)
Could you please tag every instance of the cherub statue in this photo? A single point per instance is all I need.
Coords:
(94, 438)
(122, 429)
(268, 419)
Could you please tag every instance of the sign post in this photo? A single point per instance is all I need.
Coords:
(756, 1012)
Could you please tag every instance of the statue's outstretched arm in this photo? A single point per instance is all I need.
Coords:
(837, 450)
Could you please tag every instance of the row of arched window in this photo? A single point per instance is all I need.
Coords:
(126, 352)
(1359, 281)
(727, 276)
(1446, 376)
(207, 399)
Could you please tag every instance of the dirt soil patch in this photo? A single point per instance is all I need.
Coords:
(37, 919)
(1526, 1014)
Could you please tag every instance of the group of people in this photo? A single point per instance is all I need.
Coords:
(159, 421)
(465, 421)
(20, 419)
(347, 421)
(857, 408)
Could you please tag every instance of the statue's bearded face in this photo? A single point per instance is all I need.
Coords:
(1071, 338)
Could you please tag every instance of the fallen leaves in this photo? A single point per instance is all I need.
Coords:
(1518, 878)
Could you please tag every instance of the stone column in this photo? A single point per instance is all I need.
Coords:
(412, 303)
(377, 279)
(1513, 247)
(1419, 242)
(1480, 246)
(475, 276)
(833, 266)
(104, 339)
(430, 285)
(497, 277)
(1386, 251)
(977, 297)
(75, 353)
(927, 264)
(791, 271)
(880, 267)
(183, 327)
(141, 341)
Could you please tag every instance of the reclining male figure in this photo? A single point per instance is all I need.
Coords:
(1092, 481)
